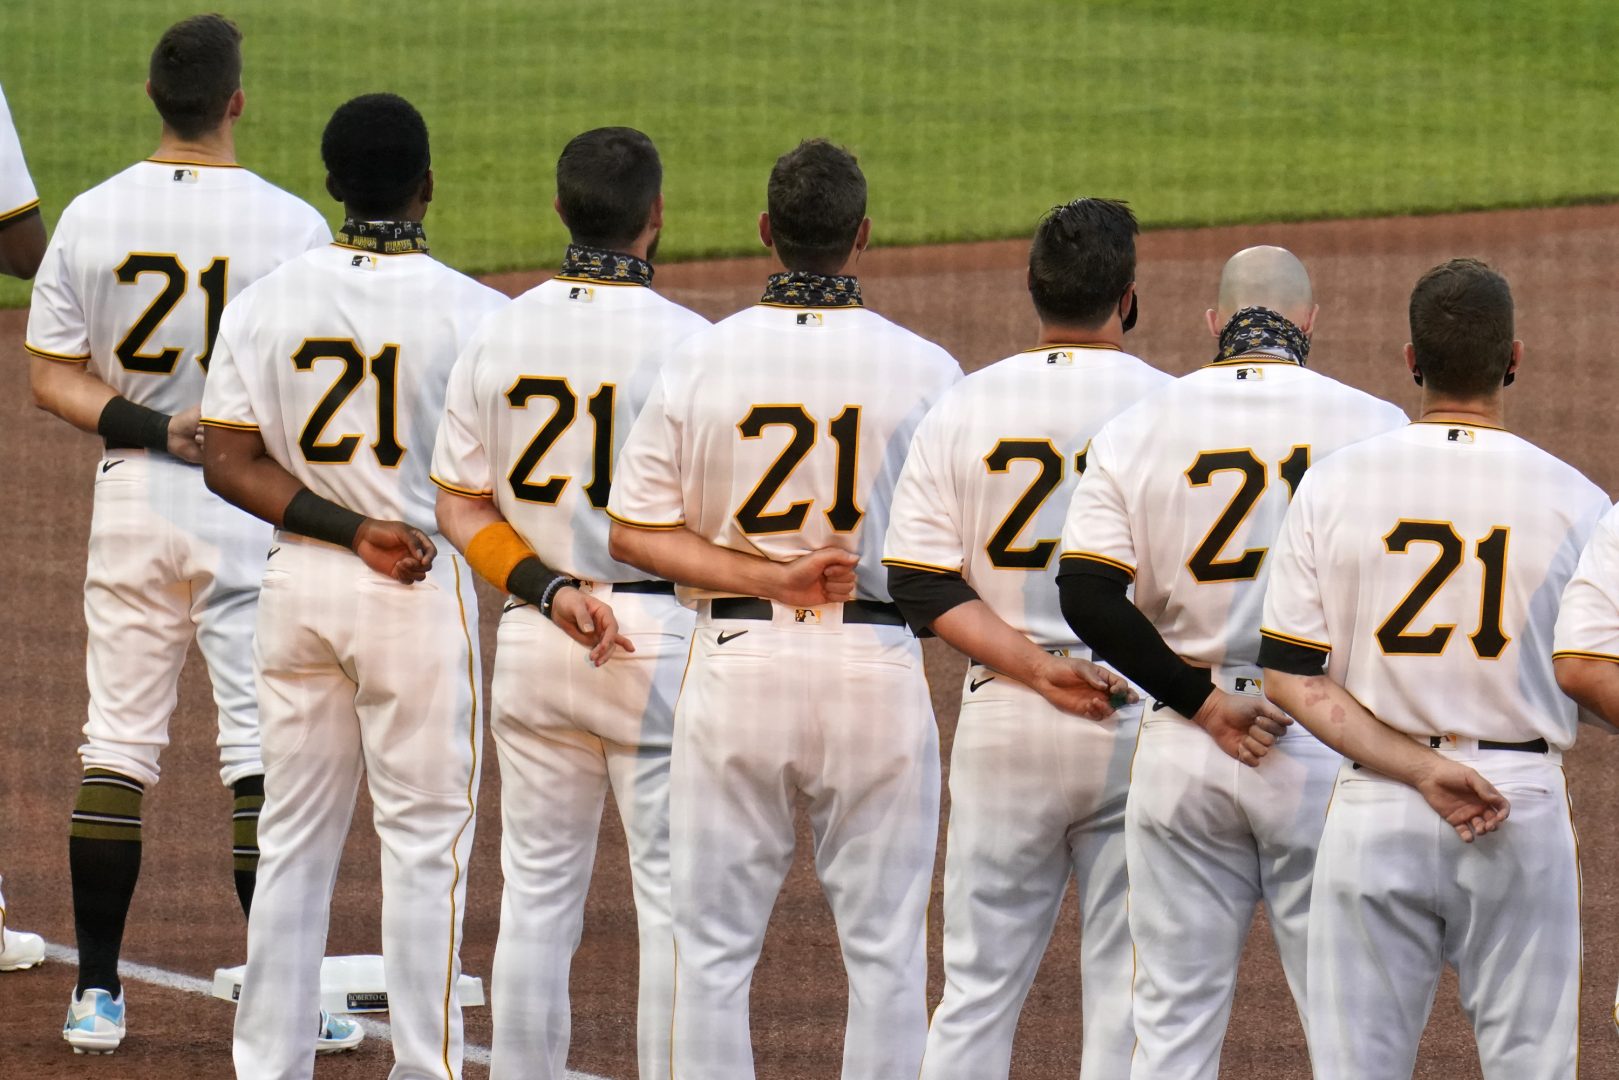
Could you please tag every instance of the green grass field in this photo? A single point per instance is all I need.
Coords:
(970, 118)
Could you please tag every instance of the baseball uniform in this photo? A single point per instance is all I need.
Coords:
(537, 413)
(340, 360)
(17, 195)
(779, 431)
(1424, 568)
(133, 285)
(1035, 795)
(1183, 494)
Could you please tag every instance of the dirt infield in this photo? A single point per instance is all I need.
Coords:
(971, 299)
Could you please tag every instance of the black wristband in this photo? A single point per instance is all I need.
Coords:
(124, 423)
(310, 515)
(529, 579)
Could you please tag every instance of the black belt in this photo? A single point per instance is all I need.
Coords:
(113, 444)
(651, 588)
(854, 611)
(1533, 746)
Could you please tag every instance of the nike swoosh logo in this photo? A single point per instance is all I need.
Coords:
(731, 636)
(105, 465)
(272, 554)
(972, 687)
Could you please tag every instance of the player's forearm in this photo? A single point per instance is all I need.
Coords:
(1593, 684)
(69, 392)
(1332, 715)
(1101, 614)
(681, 556)
(461, 517)
(22, 246)
(237, 468)
(975, 629)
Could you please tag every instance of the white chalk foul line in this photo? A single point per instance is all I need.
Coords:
(191, 984)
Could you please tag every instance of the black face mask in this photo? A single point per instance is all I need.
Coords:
(1129, 321)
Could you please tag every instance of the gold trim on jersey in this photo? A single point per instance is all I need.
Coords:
(1100, 345)
(473, 734)
(9, 216)
(233, 425)
(1457, 424)
(599, 281)
(202, 164)
(1293, 639)
(1105, 560)
(454, 490)
(929, 567)
(1584, 654)
(645, 524)
(810, 307)
(1249, 359)
(64, 358)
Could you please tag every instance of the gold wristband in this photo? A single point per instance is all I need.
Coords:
(496, 551)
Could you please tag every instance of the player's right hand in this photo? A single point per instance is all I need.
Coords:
(589, 622)
(824, 576)
(1082, 688)
(402, 552)
(184, 439)
(1468, 802)
(1244, 726)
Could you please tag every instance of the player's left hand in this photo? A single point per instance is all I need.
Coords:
(589, 622)
(1082, 688)
(402, 552)
(1468, 802)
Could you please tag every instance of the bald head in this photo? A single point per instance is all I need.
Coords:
(1269, 277)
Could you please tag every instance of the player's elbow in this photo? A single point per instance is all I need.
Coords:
(622, 545)
(1283, 689)
(1585, 680)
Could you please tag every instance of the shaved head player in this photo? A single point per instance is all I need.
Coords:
(1409, 624)
(121, 328)
(1182, 497)
(1036, 796)
(759, 477)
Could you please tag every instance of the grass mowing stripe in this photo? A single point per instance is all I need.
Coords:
(970, 119)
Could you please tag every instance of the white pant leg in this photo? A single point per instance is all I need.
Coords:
(136, 613)
(1512, 924)
(414, 653)
(1194, 881)
(312, 761)
(224, 561)
(874, 808)
(741, 729)
(1285, 800)
(1034, 796)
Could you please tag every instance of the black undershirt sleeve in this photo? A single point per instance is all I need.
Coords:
(924, 595)
(1291, 657)
(1097, 606)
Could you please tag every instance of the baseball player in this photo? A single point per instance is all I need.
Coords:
(1409, 624)
(22, 244)
(758, 477)
(1182, 496)
(538, 410)
(321, 409)
(1035, 797)
(121, 329)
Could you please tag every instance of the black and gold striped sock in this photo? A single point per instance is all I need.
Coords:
(104, 857)
(249, 792)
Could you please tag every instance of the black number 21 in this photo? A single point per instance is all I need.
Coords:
(384, 367)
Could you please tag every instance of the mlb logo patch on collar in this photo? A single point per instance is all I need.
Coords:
(810, 318)
(1060, 358)
(363, 262)
(1460, 435)
(186, 176)
(582, 293)
(1250, 374)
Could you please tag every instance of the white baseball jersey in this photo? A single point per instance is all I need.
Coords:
(314, 357)
(17, 194)
(145, 320)
(1588, 621)
(753, 439)
(541, 403)
(993, 467)
(1430, 562)
(1186, 491)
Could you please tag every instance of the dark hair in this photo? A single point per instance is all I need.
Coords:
(607, 181)
(1082, 259)
(195, 69)
(375, 147)
(817, 200)
(1461, 328)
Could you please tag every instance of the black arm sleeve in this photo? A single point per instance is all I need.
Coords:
(924, 595)
(1292, 657)
(1095, 603)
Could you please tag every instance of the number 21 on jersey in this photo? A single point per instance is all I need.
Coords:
(753, 516)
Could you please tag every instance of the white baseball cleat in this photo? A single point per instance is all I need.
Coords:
(95, 1022)
(19, 950)
(337, 1034)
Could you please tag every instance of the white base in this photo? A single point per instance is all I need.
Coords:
(348, 984)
